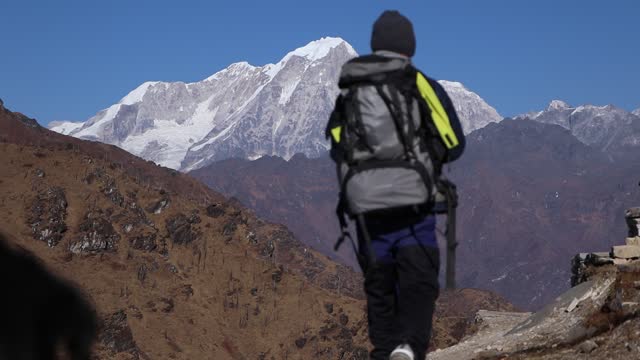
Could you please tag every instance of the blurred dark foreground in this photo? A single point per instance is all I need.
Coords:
(42, 317)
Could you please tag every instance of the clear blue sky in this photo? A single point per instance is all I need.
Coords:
(65, 60)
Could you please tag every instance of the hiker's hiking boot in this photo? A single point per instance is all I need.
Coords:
(402, 352)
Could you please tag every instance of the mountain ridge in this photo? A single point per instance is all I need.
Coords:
(607, 128)
(242, 111)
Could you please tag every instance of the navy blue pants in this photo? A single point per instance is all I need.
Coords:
(402, 285)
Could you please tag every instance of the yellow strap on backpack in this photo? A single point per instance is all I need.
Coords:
(438, 114)
(336, 132)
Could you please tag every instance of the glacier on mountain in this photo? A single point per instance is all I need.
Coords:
(243, 111)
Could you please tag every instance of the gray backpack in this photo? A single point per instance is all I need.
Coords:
(384, 142)
(380, 139)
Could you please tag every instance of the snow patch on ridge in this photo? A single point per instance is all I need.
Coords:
(213, 139)
(558, 105)
(65, 127)
(288, 90)
(136, 95)
(94, 128)
(234, 69)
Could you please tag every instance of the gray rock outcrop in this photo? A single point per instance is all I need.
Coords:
(593, 317)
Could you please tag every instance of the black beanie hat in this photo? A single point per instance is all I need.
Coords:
(393, 32)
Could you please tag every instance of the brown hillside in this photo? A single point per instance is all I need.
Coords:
(174, 270)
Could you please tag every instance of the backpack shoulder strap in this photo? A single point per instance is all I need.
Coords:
(438, 114)
(334, 125)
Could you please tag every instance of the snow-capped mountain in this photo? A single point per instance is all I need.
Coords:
(242, 111)
(636, 112)
(605, 127)
(473, 111)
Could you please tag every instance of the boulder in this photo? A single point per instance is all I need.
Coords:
(181, 229)
(97, 235)
(144, 242)
(587, 347)
(46, 216)
(159, 206)
(116, 335)
(625, 252)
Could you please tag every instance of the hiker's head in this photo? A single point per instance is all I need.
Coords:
(393, 32)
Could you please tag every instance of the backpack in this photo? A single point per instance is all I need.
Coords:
(386, 145)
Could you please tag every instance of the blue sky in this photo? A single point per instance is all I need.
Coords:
(65, 60)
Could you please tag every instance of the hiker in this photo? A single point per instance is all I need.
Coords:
(391, 131)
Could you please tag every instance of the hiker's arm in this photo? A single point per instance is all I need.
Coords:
(455, 152)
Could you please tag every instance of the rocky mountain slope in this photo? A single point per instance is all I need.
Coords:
(243, 111)
(531, 195)
(300, 193)
(608, 128)
(175, 270)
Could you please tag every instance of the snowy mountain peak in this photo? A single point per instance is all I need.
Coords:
(136, 95)
(452, 85)
(636, 112)
(312, 52)
(318, 49)
(240, 66)
(558, 105)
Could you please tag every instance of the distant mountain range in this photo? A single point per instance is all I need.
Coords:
(242, 111)
(608, 128)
